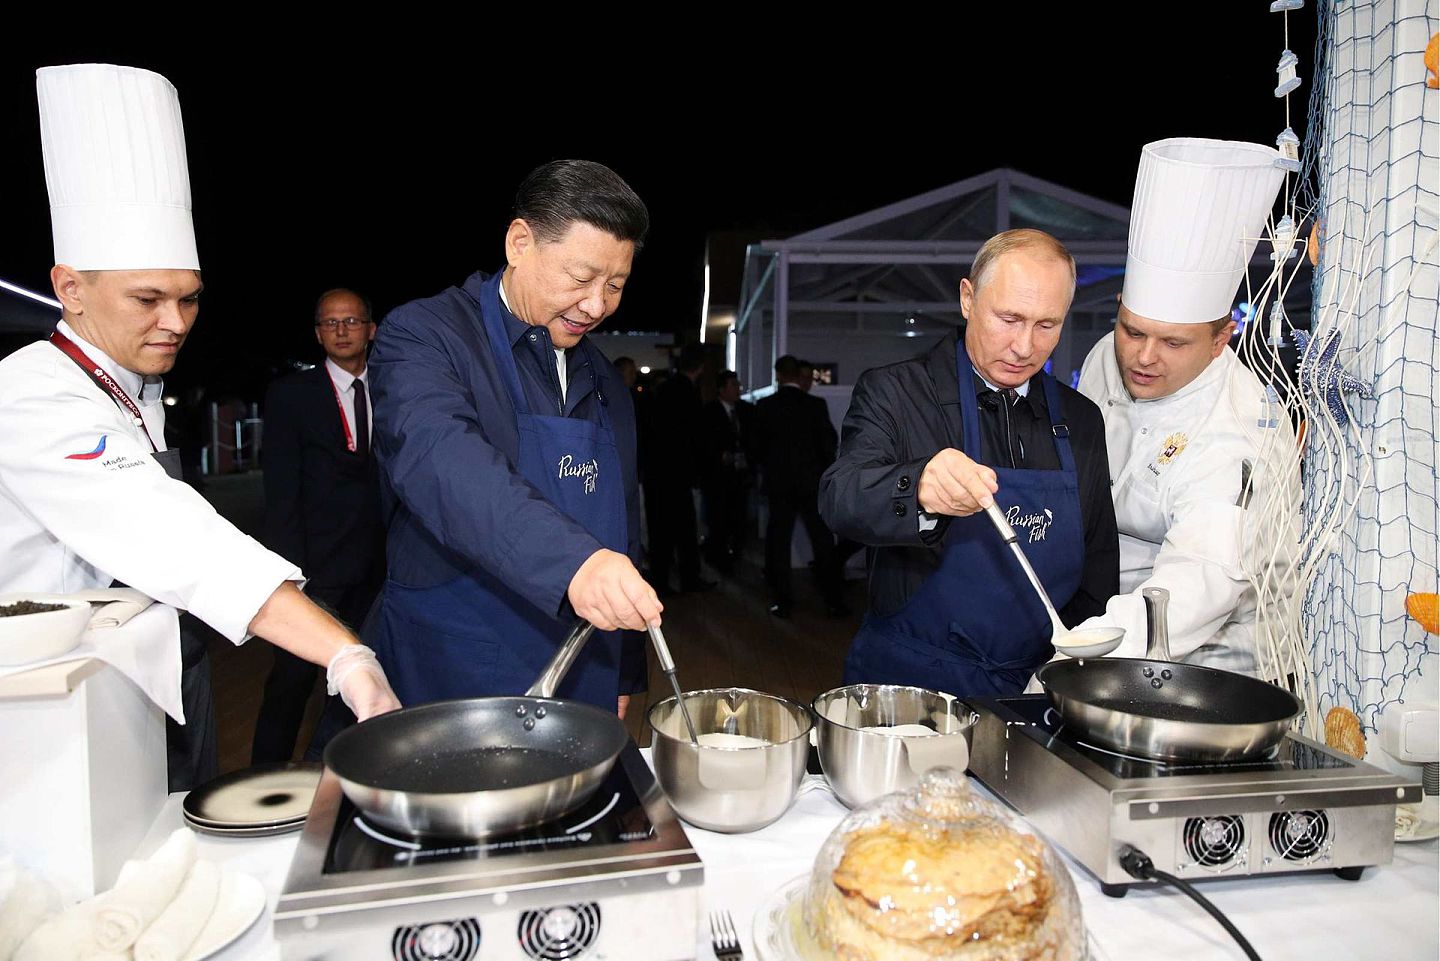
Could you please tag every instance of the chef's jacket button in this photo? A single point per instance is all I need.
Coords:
(903, 483)
(532, 335)
(900, 509)
(1109, 403)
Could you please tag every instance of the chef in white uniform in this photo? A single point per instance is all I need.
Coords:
(88, 492)
(1185, 422)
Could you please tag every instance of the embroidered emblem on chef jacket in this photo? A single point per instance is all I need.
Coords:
(90, 455)
(1037, 523)
(1174, 444)
(587, 471)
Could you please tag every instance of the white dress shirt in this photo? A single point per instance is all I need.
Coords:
(83, 502)
(344, 382)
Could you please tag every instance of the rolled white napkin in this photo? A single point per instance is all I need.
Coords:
(172, 934)
(144, 890)
(114, 606)
(25, 902)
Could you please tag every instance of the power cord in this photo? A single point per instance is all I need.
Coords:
(1137, 864)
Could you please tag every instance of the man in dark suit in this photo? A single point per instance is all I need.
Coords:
(796, 443)
(674, 467)
(322, 499)
(729, 424)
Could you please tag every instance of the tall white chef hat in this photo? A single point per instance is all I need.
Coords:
(115, 164)
(1200, 207)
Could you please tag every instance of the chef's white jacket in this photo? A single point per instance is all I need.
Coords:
(68, 522)
(1175, 471)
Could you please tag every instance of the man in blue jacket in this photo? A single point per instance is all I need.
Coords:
(506, 444)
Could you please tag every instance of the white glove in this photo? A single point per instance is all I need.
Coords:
(358, 678)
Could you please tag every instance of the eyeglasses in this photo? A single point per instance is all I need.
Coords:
(332, 323)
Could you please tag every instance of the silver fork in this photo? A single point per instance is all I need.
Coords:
(723, 937)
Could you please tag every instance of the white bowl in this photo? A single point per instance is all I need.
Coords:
(1091, 642)
(35, 637)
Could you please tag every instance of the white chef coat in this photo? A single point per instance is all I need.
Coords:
(1175, 470)
(70, 523)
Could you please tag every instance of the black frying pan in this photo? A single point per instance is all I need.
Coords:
(480, 766)
(1153, 707)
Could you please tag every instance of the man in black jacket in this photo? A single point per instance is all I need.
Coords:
(928, 443)
(322, 499)
(796, 443)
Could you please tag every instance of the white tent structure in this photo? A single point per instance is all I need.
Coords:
(859, 293)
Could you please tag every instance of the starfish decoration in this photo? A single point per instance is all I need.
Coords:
(1322, 376)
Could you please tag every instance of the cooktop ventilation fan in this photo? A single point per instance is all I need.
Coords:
(1214, 842)
(1299, 835)
(560, 933)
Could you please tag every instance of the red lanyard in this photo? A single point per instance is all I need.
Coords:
(96, 373)
(344, 421)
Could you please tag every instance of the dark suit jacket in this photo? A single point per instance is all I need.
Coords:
(902, 415)
(677, 418)
(322, 502)
(795, 441)
(722, 436)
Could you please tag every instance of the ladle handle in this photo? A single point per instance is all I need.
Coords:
(559, 665)
(1008, 534)
(1157, 644)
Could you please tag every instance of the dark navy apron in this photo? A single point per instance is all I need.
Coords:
(474, 636)
(975, 626)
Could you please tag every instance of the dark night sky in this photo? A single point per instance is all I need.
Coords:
(391, 166)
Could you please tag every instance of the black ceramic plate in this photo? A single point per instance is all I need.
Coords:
(265, 796)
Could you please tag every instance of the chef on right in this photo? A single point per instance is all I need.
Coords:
(1189, 429)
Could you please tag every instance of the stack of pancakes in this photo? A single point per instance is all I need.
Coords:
(919, 892)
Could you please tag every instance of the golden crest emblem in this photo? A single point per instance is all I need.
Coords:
(1174, 444)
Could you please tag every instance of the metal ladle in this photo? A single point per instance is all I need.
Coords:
(667, 664)
(1105, 639)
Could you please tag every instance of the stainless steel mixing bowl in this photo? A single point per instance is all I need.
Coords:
(731, 789)
(862, 765)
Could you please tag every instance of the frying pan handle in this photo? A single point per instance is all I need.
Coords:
(1157, 645)
(559, 665)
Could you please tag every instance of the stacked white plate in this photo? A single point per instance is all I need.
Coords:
(260, 801)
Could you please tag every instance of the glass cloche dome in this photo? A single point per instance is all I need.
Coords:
(940, 872)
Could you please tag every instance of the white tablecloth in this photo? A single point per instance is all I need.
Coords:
(1392, 913)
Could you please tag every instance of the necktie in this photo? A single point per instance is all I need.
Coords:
(1008, 397)
(362, 418)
